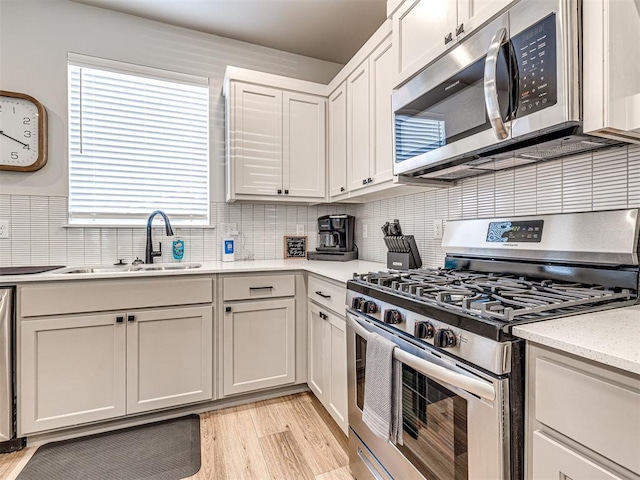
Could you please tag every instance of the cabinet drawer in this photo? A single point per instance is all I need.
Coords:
(259, 286)
(65, 297)
(588, 408)
(327, 294)
(551, 459)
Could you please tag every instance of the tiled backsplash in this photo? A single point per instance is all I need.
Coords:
(39, 238)
(600, 181)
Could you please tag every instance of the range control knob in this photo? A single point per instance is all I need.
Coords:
(424, 330)
(357, 303)
(370, 307)
(392, 317)
(445, 339)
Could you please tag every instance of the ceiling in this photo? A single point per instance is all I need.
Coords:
(330, 30)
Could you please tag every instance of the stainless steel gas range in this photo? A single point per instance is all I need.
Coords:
(462, 369)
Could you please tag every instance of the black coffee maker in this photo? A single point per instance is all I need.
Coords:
(335, 238)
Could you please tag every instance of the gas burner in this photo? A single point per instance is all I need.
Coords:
(490, 295)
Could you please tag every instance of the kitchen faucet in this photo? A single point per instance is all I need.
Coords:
(150, 252)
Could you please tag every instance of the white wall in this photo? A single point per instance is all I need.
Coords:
(36, 35)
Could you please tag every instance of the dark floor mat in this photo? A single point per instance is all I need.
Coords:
(168, 450)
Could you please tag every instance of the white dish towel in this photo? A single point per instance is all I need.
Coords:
(382, 411)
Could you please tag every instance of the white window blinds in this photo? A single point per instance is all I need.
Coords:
(138, 142)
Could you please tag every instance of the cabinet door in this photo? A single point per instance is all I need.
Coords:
(473, 13)
(304, 155)
(71, 371)
(318, 350)
(338, 141)
(553, 460)
(257, 139)
(381, 71)
(169, 357)
(358, 128)
(258, 345)
(337, 404)
(419, 31)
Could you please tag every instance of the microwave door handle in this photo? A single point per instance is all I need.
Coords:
(431, 370)
(491, 85)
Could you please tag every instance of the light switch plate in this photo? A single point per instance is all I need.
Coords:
(438, 228)
(4, 228)
(300, 229)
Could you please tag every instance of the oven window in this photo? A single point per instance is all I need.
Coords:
(434, 422)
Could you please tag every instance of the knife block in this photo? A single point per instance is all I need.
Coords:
(403, 252)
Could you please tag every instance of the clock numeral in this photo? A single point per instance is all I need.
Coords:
(14, 155)
(26, 147)
(26, 121)
(27, 134)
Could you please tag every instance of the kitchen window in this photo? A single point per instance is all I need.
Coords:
(138, 142)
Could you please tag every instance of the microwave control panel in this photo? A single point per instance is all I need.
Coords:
(535, 54)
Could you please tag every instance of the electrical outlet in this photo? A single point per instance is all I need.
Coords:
(227, 229)
(438, 228)
(365, 230)
(4, 229)
(300, 229)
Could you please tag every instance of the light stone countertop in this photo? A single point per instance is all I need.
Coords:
(339, 271)
(611, 337)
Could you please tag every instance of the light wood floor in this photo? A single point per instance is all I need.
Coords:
(290, 437)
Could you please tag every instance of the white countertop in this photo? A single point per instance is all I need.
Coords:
(339, 271)
(611, 337)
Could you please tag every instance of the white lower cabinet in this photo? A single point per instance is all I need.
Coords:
(328, 361)
(258, 345)
(78, 369)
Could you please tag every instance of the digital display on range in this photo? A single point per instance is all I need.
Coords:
(535, 52)
(516, 231)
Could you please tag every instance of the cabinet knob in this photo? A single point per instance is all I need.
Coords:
(460, 29)
(227, 309)
(286, 192)
(364, 181)
(342, 189)
(279, 192)
(448, 38)
(131, 318)
(324, 316)
(119, 319)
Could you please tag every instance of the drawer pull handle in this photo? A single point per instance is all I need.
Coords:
(260, 288)
(131, 318)
(322, 294)
(119, 319)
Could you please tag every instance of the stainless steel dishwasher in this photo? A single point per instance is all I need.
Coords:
(8, 440)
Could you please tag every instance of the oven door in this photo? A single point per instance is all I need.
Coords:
(454, 416)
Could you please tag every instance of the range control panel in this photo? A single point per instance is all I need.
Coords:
(516, 231)
(535, 52)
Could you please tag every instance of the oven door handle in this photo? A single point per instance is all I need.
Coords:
(431, 370)
(491, 85)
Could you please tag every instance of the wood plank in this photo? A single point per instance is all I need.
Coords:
(11, 464)
(340, 474)
(269, 416)
(284, 458)
(318, 444)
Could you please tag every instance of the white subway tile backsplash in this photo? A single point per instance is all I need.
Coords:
(609, 179)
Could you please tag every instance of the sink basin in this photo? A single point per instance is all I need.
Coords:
(129, 268)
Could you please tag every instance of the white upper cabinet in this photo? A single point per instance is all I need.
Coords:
(338, 141)
(358, 127)
(257, 133)
(381, 73)
(304, 145)
(424, 29)
(275, 137)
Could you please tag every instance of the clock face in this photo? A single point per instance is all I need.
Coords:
(21, 129)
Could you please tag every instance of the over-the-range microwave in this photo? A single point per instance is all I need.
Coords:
(508, 95)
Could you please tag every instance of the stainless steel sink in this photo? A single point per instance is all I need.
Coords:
(128, 268)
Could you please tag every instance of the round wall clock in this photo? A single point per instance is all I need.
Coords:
(23, 132)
